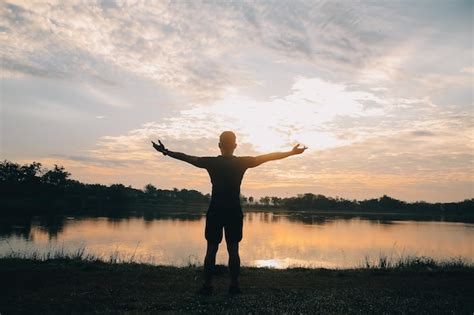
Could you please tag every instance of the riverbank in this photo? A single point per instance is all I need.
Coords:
(390, 215)
(79, 286)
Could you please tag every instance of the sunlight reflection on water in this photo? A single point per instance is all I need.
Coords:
(275, 241)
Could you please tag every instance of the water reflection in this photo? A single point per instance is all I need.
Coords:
(270, 240)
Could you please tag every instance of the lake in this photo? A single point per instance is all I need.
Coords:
(278, 240)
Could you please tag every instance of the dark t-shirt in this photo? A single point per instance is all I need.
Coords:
(226, 174)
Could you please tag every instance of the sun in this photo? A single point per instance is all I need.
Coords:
(278, 123)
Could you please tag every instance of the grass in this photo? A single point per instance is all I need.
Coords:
(77, 282)
(383, 261)
(415, 262)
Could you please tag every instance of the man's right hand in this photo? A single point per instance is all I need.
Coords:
(160, 147)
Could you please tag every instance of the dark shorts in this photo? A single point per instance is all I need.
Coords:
(232, 226)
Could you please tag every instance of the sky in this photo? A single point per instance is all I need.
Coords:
(380, 91)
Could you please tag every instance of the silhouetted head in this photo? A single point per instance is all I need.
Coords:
(227, 143)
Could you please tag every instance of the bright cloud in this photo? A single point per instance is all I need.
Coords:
(302, 116)
(468, 69)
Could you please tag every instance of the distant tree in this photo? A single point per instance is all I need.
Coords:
(29, 173)
(386, 202)
(150, 190)
(265, 200)
(190, 196)
(9, 171)
(56, 177)
(118, 193)
(251, 199)
(13, 172)
(276, 201)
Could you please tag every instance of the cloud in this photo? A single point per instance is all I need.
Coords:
(153, 42)
(89, 160)
(469, 69)
(423, 133)
(301, 116)
(197, 48)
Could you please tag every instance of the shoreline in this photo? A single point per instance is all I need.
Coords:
(177, 209)
(83, 286)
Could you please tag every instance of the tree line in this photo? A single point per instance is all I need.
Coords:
(31, 187)
(382, 204)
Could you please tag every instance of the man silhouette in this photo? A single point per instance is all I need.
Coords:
(225, 212)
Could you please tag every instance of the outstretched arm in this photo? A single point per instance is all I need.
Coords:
(278, 155)
(194, 160)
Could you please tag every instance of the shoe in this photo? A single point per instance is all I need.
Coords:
(205, 290)
(234, 290)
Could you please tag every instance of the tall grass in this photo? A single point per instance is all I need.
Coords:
(415, 262)
(79, 254)
(381, 263)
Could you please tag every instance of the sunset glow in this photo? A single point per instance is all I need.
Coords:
(380, 92)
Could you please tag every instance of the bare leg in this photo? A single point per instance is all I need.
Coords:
(234, 263)
(210, 263)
